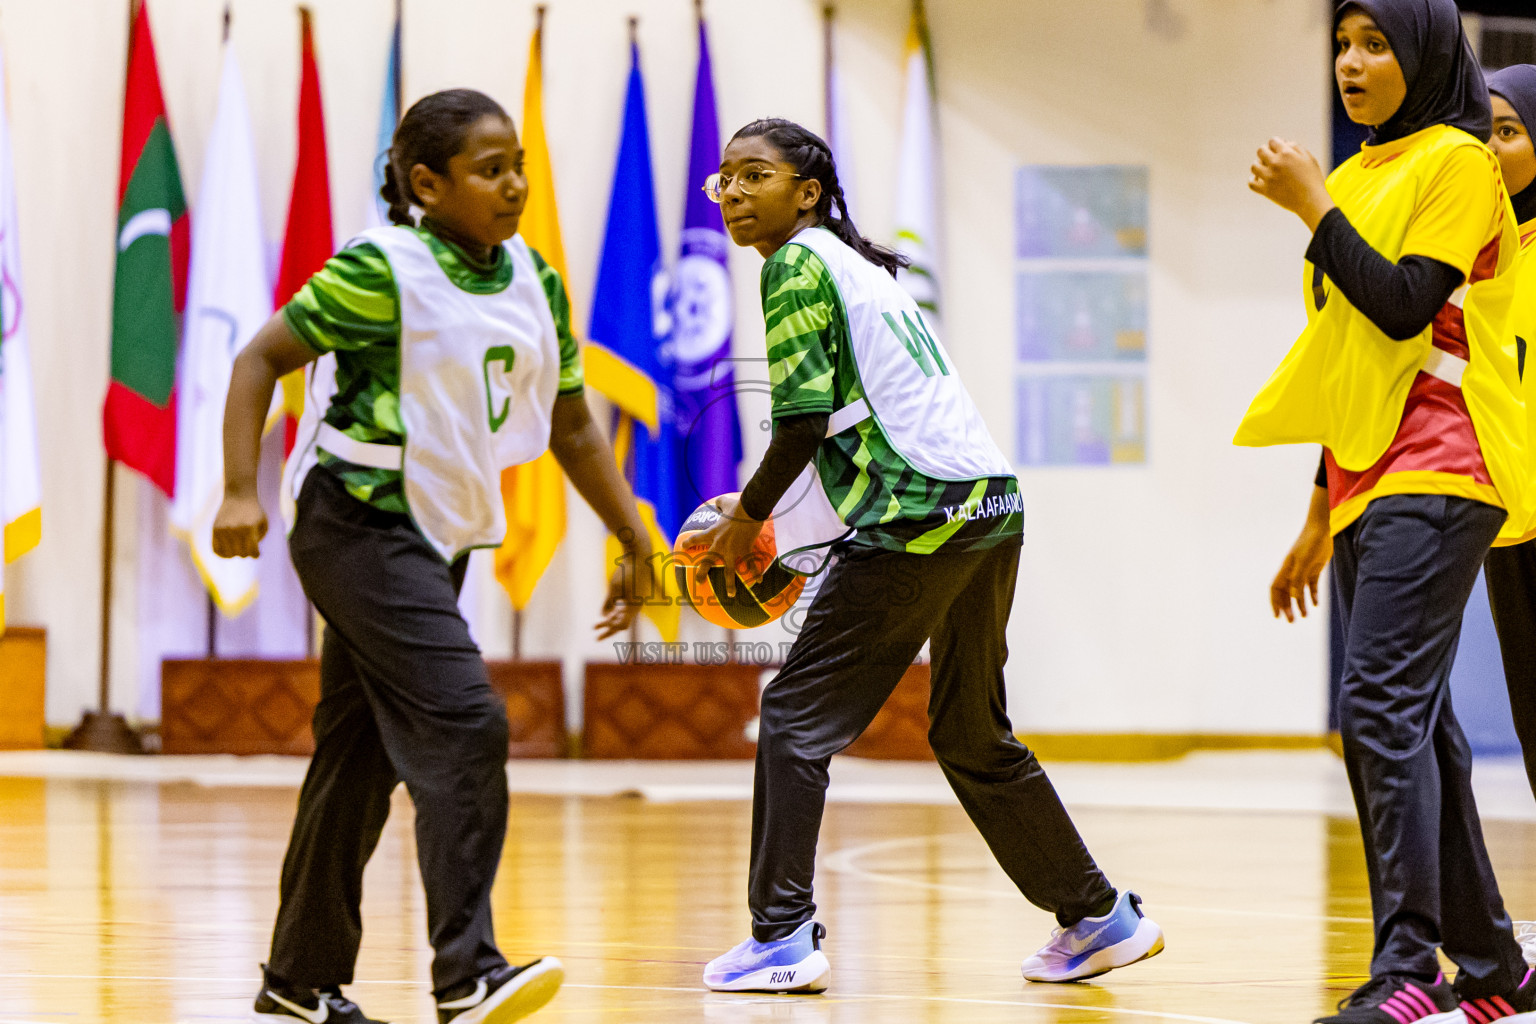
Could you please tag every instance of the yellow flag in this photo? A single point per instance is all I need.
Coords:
(534, 493)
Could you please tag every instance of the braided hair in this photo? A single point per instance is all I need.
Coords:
(811, 157)
(430, 133)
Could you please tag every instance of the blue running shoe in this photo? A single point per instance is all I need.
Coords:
(1097, 945)
(795, 964)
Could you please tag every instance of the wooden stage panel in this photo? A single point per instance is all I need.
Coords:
(151, 903)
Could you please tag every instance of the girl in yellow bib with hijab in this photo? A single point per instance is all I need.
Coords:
(1404, 376)
(1511, 571)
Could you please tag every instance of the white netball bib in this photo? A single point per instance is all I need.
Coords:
(911, 388)
(478, 380)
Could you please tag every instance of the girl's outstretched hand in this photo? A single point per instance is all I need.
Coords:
(239, 527)
(621, 605)
(632, 581)
(1300, 572)
(1289, 176)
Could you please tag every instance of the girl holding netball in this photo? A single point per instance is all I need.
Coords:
(928, 524)
(446, 356)
(1403, 376)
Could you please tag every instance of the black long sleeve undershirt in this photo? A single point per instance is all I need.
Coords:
(1401, 298)
(794, 444)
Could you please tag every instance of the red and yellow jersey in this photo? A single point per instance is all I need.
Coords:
(1437, 414)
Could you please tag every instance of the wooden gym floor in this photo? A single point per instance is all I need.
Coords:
(149, 900)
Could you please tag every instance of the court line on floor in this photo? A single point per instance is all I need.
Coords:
(839, 997)
(962, 1000)
(845, 862)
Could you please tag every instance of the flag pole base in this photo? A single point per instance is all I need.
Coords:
(105, 733)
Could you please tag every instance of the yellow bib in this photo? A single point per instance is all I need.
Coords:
(1344, 383)
(1522, 330)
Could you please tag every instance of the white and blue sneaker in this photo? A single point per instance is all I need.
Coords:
(795, 964)
(1097, 945)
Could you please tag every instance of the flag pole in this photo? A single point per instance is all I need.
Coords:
(517, 613)
(212, 609)
(101, 730)
(828, 13)
(108, 531)
(634, 624)
(213, 627)
(399, 58)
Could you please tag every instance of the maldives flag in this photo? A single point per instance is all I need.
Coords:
(139, 419)
(308, 242)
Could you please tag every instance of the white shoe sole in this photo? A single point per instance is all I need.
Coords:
(286, 1018)
(1146, 941)
(528, 991)
(809, 975)
(1456, 1016)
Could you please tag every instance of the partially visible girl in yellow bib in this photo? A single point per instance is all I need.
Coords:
(1511, 571)
(1404, 375)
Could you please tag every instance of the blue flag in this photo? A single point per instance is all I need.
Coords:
(624, 358)
(389, 116)
(699, 317)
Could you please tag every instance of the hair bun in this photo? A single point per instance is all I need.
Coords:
(394, 196)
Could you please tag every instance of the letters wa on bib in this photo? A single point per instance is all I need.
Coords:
(908, 462)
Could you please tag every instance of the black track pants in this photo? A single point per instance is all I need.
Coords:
(1511, 576)
(404, 697)
(868, 622)
(1402, 573)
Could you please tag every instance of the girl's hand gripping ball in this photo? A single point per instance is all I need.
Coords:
(727, 565)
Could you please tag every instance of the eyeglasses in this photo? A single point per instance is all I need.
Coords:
(750, 182)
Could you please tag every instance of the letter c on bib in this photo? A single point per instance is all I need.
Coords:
(505, 355)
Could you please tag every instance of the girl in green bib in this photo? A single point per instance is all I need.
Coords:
(1404, 376)
(921, 510)
(439, 354)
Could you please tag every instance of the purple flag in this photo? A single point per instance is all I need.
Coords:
(698, 345)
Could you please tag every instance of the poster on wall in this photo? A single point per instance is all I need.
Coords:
(1081, 328)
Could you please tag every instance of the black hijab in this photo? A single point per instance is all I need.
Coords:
(1517, 85)
(1445, 83)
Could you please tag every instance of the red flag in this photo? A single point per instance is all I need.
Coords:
(150, 288)
(309, 241)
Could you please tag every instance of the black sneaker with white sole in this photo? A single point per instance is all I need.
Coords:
(281, 1003)
(503, 995)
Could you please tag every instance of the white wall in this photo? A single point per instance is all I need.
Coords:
(1142, 599)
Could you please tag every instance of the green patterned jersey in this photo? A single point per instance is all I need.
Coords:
(872, 487)
(351, 307)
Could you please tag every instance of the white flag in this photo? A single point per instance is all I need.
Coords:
(21, 493)
(838, 128)
(917, 186)
(228, 299)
